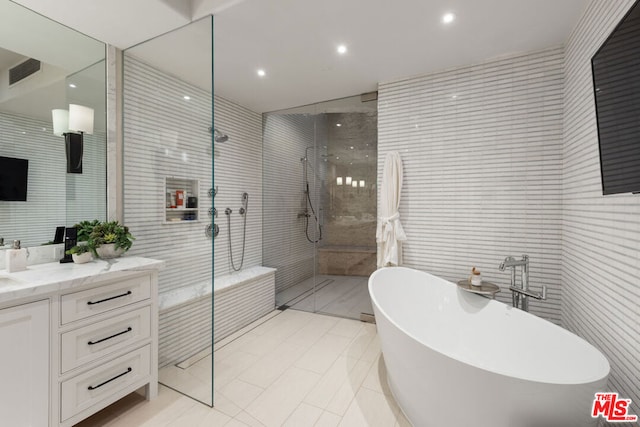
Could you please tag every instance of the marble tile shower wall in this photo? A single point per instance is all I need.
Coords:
(54, 198)
(601, 253)
(285, 245)
(482, 154)
(167, 136)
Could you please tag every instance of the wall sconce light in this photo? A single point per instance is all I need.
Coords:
(348, 179)
(354, 184)
(339, 180)
(361, 183)
(73, 124)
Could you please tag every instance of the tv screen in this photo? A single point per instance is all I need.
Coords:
(13, 179)
(616, 83)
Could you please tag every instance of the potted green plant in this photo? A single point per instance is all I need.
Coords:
(110, 239)
(81, 254)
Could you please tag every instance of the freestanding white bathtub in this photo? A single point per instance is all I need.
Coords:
(458, 359)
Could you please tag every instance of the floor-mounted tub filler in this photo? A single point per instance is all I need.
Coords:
(457, 359)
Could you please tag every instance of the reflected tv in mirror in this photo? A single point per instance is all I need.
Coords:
(13, 179)
(616, 84)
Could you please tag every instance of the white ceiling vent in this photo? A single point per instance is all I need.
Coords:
(23, 70)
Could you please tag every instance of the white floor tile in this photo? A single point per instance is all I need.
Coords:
(247, 420)
(346, 393)
(330, 383)
(240, 393)
(277, 403)
(328, 419)
(265, 371)
(304, 415)
(323, 353)
(314, 369)
(370, 409)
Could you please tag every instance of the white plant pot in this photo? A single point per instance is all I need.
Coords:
(82, 258)
(109, 251)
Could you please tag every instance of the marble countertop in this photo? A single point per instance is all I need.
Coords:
(43, 279)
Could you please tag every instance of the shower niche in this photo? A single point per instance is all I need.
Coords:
(181, 201)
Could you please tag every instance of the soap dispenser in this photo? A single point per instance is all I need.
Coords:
(16, 258)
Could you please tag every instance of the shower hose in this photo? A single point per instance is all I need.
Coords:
(243, 212)
(306, 228)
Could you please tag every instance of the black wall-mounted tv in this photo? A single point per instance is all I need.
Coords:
(616, 84)
(13, 179)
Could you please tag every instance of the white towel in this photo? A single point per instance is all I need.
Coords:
(390, 234)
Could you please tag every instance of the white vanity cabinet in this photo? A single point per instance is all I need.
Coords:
(24, 365)
(107, 342)
(76, 338)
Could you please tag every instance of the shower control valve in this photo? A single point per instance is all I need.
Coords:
(242, 211)
(228, 211)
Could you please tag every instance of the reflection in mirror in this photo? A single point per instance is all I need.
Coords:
(44, 66)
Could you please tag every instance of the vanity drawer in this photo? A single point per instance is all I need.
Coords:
(88, 343)
(80, 305)
(88, 389)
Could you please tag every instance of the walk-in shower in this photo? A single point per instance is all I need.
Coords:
(322, 241)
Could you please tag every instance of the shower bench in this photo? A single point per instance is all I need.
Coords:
(185, 313)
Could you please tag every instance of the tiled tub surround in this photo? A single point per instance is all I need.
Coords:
(482, 154)
(444, 347)
(77, 338)
(240, 298)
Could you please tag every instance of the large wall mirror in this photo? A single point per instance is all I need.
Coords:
(45, 66)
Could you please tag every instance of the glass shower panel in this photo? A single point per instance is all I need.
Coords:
(168, 159)
(320, 175)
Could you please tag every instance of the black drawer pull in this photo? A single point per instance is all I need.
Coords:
(108, 381)
(112, 336)
(109, 299)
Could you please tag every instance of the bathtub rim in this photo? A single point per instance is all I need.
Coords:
(562, 330)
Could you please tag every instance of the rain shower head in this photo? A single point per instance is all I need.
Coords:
(218, 136)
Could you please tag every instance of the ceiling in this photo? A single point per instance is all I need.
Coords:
(295, 41)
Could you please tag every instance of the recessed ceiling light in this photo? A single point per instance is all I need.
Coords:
(337, 157)
(448, 18)
(261, 72)
(338, 124)
(72, 85)
(342, 49)
(187, 97)
(351, 148)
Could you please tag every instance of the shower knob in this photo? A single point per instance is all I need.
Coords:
(212, 230)
(213, 212)
(242, 211)
(213, 192)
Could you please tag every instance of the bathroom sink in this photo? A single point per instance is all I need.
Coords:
(9, 281)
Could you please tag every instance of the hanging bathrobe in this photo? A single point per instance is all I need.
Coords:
(390, 234)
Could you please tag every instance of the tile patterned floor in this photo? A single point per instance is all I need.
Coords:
(295, 369)
(345, 296)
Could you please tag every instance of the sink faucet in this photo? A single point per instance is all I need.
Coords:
(520, 294)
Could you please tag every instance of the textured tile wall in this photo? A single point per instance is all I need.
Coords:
(286, 137)
(167, 136)
(482, 155)
(601, 234)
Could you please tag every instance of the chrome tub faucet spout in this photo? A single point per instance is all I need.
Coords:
(520, 294)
